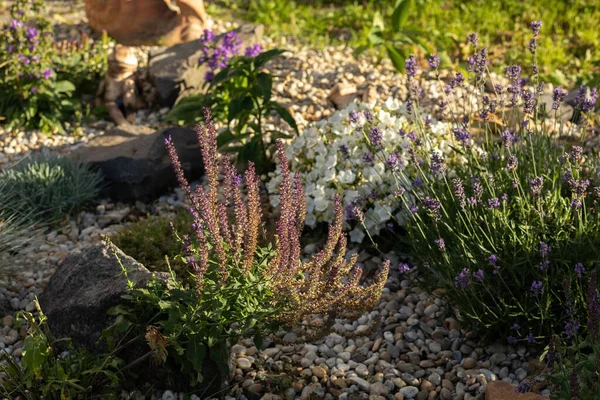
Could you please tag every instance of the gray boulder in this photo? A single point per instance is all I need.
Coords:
(175, 71)
(135, 163)
(84, 287)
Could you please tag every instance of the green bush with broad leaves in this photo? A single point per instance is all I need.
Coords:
(47, 187)
(395, 37)
(54, 369)
(239, 94)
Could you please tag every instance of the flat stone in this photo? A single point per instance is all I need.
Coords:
(409, 392)
(361, 383)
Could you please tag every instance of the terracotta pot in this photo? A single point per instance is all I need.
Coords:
(148, 22)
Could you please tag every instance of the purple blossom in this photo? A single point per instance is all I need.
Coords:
(457, 81)
(575, 153)
(535, 27)
(369, 116)
(473, 38)
(532, 47)
(463, 279)
(511, 340)
(585, 102)
(513, 72)
(412, 135)
(504, 198)
(525, 386)
(516, 326)
(536, 288)
(414, 209)
(479, 275)
(209, 76)
(545, 249)
(558, 96)
(403, 268)
(571, 328)
(433, 207)
(410, 65)
(367, 158)
(530, 338)
(462, 135)
(493, 259)
(399, 192)
(31, 33)
(436, 162)
(544, 265)
(493, 203)
(528, 101)
(507, 138)
(393, 161)
(434, 61)
(34, 89)
(535, 185)
(375, 136)
(459, 191)
(207, 36)
(344, 150)
(353, 116)
(576, 203)
(253, 51)
(579, 270)
(418, 182)
(440, 243)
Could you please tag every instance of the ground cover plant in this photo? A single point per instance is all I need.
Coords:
(568, 37)
(239, 92)
(37, 78)
(47, 187)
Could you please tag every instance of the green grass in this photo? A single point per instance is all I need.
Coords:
(569, 39)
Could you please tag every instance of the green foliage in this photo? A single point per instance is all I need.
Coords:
(45, 187)
(55, 370)
(37, 79)
(150, 240)
(394, 37)
(241, 95)
(187, 329)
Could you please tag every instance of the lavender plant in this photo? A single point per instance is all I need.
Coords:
(239, 282)
(501, 232)
(240, 93)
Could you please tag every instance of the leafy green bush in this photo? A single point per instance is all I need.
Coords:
(242, 285)
(37, 79)
(47, 187)
(150, 240)
(500, 232)
(55, 370)
(239, 92)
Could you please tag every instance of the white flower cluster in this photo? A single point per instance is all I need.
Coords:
(336, 156)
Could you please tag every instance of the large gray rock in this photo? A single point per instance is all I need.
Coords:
(175, 70)
(82, 290)
(135, 163)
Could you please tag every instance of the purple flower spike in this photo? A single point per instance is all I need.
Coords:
(463, 279)
(434, 61)
(579, 270)
(535, 27)
(479, 275)
(536, 288)
(404, 268)
(410, 66)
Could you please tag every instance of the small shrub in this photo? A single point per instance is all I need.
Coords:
(150, 240)
(336, 157)
(242, 286)
(47, 187)
(240, 93)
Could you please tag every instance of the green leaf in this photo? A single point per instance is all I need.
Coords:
(266, 56)
(196, 351)
(64, 87)
(285, 115)
(239, 105)
(35, 353)
(396, 57)
(400, 14)
(265, 84)
(225, 138)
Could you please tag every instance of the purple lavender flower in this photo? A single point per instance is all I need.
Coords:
(535, 185)
(473, 38)
(253, 51)
(418, 182)
(344, 150)
(511, 340)
(530, 338)
(579, 270)
(440, 243)
(493, 203)
(399, 192)
(369, 116)
(472, 201)
(545, 249)
(479, 275)
(393, 161)
(576, 203)
(532, 47)
(434, 61)
(575, 153)
(462, 135)
(367, 158)
(31, 33)
(34, 89)
(504, 198)
(209, 76)
(585, 102)
(516, 326)
(525, 386)
(571, 328)
(536, 288)
(207, 36)
(433, 207)
(528, 101)
(414, 209)
(15, 24)
(436, 162)
(457, 81)
(412, 135)
(507, 138)
(375, 136)
(410, 65)
(353, 116)
(535, 27)
(459, 191)
(493, 259)
(558, 96)
(463, 279)
(544, 265)
(404, 268)
(513, 72)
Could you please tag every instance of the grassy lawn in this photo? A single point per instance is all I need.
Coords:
(569, 39)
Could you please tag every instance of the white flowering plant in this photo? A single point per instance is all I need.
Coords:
(342, 155)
